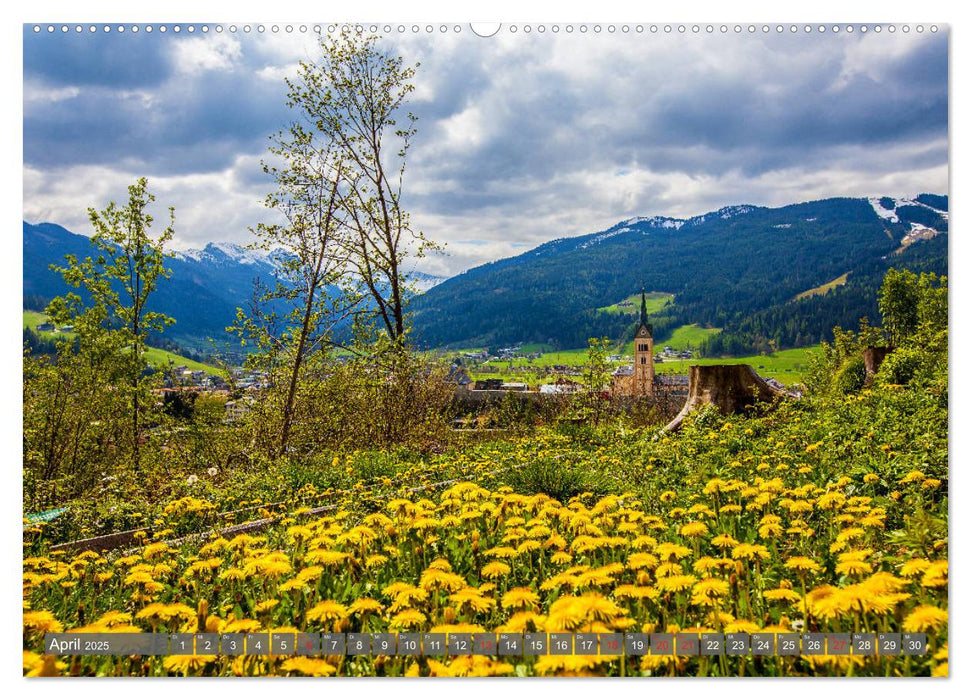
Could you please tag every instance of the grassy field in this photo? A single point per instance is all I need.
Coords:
(682, 338)
(786, 366)
(823, 288)
(155, 356)
(655, 302)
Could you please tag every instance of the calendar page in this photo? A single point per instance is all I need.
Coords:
(525, 349)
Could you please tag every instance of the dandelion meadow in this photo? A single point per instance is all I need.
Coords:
(825, 514)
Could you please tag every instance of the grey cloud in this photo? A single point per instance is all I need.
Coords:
(522, 138)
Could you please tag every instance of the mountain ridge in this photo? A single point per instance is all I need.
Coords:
(751, 257)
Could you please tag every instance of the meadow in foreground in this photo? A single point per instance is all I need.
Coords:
(826, 515)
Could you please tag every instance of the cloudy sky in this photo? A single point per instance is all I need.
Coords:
(522, 137)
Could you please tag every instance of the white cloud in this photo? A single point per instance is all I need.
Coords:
(206, 53)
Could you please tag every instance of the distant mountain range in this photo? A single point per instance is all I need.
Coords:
(203, 292)
(739, 268)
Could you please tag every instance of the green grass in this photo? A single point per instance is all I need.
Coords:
(156, 357)
(681, 338)
(655, 302)
(823, 288)
(787, 366)
(575, 356)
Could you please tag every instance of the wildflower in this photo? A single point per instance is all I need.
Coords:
(41, 621)
(708, 591)
(924, 618)
(365, 606)
(326, 611)
(192, 479)
(935, 576)
(407, 619)
(694, 529)
(802, 564)
(750, 552)
(724, 541)
(667, 550)
(673, 584)
(496, 569)
(306, 666)
(266, 606)
(520, 598)
(187, 663)
(435, 579)
(782, 594)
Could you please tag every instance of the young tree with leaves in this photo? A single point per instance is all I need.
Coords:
(119, 281)
(356, 96)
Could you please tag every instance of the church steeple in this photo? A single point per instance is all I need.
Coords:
(644, 322)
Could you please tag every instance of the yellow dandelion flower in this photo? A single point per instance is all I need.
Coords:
(802, 564)
(561, 558)
(724, 541)
(326, 611)
(520, 598)
(708, 591)
(786, 595)
(935, 576)
(673, 584)
(694, 529)
(266, 606)
(750, 552)
(365, 606)
(495, 570)
(408, 619)
(307, 666)
(924, 618)
(187, 663)
(41, 621)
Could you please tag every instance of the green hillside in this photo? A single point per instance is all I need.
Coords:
(156, 357)
(631, 306)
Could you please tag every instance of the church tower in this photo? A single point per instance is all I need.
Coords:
(644, 354)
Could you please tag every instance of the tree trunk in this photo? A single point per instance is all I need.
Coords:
(873, 357)
(731, 388)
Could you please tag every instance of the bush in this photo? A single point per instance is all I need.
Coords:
(900, 366)
(851, 376)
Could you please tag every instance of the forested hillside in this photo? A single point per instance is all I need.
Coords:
(739, 269)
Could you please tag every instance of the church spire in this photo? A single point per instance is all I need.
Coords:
(644, 322)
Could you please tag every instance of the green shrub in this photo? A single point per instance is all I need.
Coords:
(900, 366)
(851, 375)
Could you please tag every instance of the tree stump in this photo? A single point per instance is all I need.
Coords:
(873, 357)
(730, 388)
